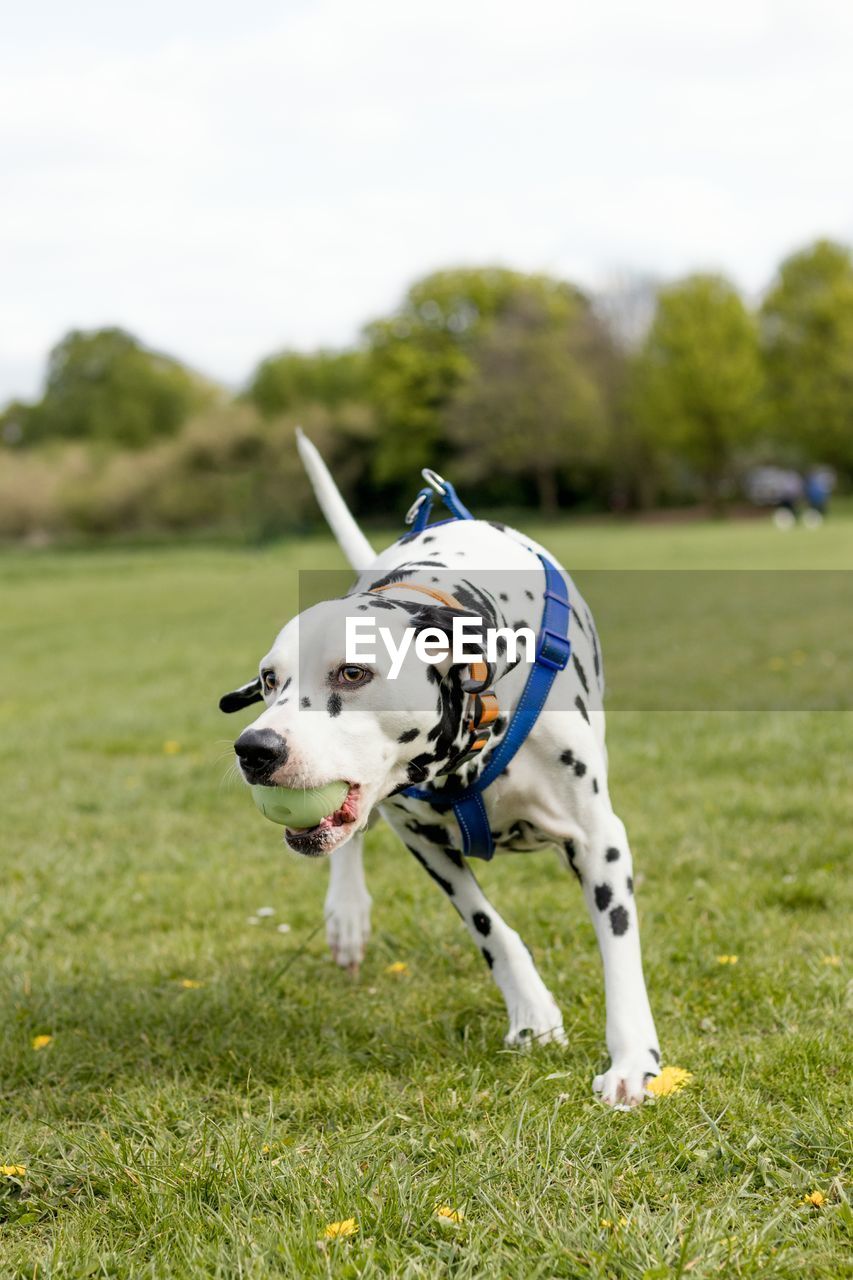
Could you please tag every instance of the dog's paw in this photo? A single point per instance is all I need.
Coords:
(624, 1085)
(535, 1021)
(348, 929)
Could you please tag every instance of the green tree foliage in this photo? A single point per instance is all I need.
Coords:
(697, 381)
(533, 406)
(105, 386)
(292, 379)
(419, 357)
(807, 341)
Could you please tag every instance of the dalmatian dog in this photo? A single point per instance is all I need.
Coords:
(327, 719)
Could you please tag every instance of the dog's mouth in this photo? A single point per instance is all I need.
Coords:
(316, 842)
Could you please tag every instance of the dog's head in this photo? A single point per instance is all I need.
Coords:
(379, 725)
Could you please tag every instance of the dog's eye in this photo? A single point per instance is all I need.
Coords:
(269, 680)
(350, 675)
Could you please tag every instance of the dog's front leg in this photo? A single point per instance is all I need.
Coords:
(602, 861)
(347, 907)
(533, 1013)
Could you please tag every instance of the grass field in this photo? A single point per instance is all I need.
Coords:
(215, 1092)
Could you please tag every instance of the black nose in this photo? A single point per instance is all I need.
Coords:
(260, 752)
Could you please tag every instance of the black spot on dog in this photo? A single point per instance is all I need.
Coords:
(619, 921)
(482, 923)
(571, 854)
(286, 684)
(568, 758)
(362, 608)
(435, 579)
(499, 726)
(595, 654)
(488, 957)
(612, 855)
(430, 831)
(305, 702)
(334, 705)
(429, 538)
(581, 673)
(416, 770)
(529, 595)
(603, 896)
(408, 736)
(439, 880)
(503, 596)
(630, 883)
(579, 703)
(496, 524)
(282, 701)
(655, 1055)
(595, 785)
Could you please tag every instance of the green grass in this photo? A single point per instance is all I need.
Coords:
(214, 1130)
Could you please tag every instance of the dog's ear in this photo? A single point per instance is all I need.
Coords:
(242, 697)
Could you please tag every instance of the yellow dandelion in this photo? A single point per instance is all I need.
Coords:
(445, 1213)
(835, 961)
(610, 1225)
(726, 959)
(776, 664)
(333, 1230)
(12, 1170)
(817, 1198)
(41, 1042)
(171, 748)
(191, 984)
(399, 966)
(670, 1080)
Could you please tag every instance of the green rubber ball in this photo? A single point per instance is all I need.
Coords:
(299, 808)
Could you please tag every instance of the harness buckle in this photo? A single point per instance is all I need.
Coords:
(554, 650)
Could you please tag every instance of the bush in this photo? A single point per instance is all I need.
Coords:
(229, 471)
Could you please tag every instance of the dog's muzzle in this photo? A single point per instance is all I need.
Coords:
(260, 752)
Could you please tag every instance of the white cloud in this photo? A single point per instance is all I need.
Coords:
(225, 182)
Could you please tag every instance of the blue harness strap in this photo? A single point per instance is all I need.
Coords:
(553, 649)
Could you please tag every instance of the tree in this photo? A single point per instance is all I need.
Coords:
(292, 379)
(807, 342)
(697, 380)
(533, 405)
(419, 357)
(104, 385)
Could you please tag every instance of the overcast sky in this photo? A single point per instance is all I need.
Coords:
(227, 178)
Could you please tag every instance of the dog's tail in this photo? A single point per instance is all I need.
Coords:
(341, 521)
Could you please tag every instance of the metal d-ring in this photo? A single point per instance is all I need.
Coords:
(413, 510)
(438, 483)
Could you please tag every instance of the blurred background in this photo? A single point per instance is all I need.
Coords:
(577, 272)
